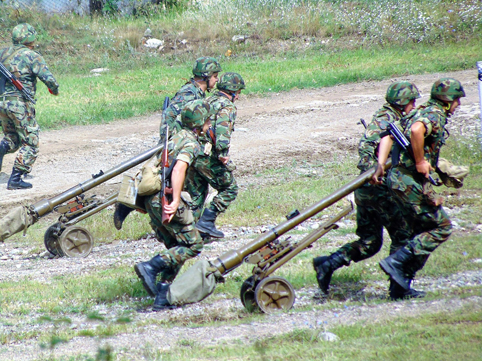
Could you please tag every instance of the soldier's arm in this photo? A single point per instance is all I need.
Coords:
(417, 139)
(224, 128)
(178, 176)
(41, 70)
(383, 153)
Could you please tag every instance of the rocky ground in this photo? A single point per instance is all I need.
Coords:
(302, 125)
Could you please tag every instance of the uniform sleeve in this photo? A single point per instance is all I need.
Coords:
(189, 152)
(224, 128)
(41, 70)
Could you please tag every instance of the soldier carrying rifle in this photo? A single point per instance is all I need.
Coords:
(18, 82)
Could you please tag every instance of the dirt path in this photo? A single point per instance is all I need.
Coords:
(301, 125)
(304, 125)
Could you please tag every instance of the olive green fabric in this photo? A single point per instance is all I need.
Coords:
(194, 285)
(401, 93)
(23, 34)
(195, 113)
(17, 220)
(450, 174)
(231, 82)
(447, 90)
(206, 66)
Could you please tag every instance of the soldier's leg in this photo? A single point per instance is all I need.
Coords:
(10, 142)
(369, 229)
(433, 227)
(27, 129)
(221, 179)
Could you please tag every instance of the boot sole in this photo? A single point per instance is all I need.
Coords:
(390, 271)
(142, 276)
(15, 188)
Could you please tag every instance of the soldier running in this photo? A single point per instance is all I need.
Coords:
(375, 205)
(17, 114)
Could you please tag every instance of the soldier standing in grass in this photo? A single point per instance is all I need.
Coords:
(17, 114)
(376, 207)
(409, 183)
(213, 166)
(180, 236)
(205, 71)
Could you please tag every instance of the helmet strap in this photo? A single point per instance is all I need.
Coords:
(233, 95)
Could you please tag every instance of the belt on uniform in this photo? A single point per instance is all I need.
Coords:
(11, 97)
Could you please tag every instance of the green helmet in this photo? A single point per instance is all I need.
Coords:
(205, 67)
(231, 82)
(194, 113)
(447, 90)
(23, 34)
(401, 93)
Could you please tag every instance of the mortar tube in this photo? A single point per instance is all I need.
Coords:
(234, 258)
(45, 206)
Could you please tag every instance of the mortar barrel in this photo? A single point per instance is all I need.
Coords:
(233, 258)
(47, 205)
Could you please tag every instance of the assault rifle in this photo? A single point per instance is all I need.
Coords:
(166, 103)
(12, 79)
(403, 143)
(165, 177)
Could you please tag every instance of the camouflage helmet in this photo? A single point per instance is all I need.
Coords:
(231, 82)
(401, 93)
(447, 90)
(206, 66)
(23, 34)
(194, 113)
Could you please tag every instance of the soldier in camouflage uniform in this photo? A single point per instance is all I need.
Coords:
(213, 166)
(17, 114)
(375, 206)
(180, 237)
(205, 71)
(409, 182)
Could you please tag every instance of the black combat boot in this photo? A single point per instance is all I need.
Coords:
(394, 266)
(148, 271)
(161, 302)
(16, 182)
(120, 214)
(206, 224)
(397, 292)
(325, 266)
(4, 148)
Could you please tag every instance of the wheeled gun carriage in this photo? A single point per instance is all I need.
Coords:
(267, 253)
(64, 238)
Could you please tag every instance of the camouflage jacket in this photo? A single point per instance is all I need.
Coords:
(369, 142)
(432, 115)
(171, 115)
(222, 124)
(26, 65)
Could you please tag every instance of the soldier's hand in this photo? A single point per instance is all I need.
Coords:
(224, 160)
(171, 209)
(377, 178)
(424, 168)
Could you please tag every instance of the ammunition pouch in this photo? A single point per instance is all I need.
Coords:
(128, 191)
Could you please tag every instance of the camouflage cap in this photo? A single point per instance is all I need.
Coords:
(447, 90)
(231, 81)
(206, 66)
(23, 34)
(195, 113)
(401, 93)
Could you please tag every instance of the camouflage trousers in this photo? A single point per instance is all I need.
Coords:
(21, 131)
(208, 171)
(180, 237)
(376, 209)
(430, 223)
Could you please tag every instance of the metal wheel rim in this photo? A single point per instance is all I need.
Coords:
(247, 295)
(51, 239)
(274, 294)
(76, 242)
